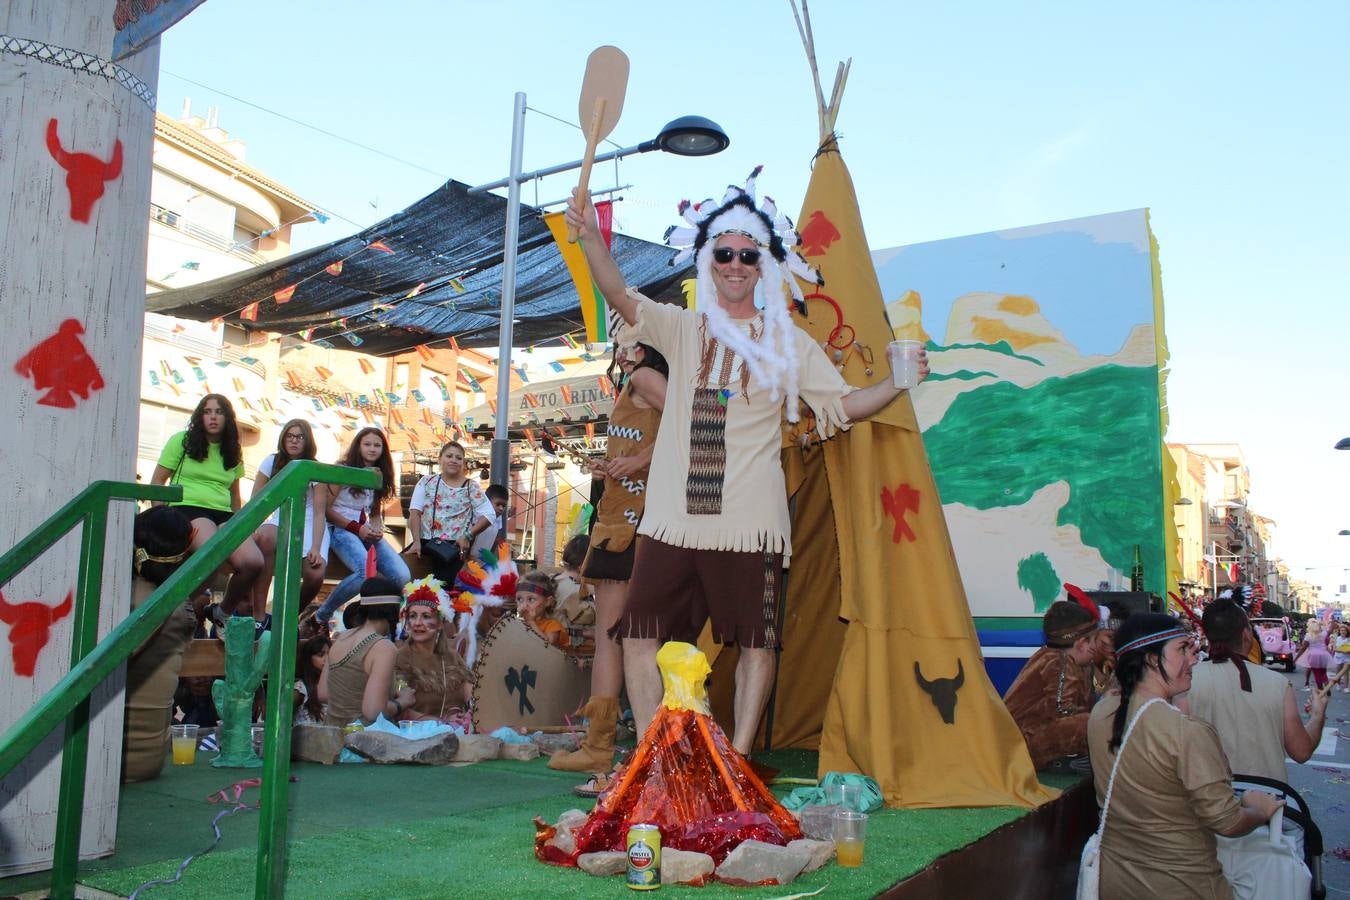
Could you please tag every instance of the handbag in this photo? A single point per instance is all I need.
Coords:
(1090, 862)
(443, 551)
(1265, 863)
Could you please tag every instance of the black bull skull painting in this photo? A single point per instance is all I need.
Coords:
(943, 690)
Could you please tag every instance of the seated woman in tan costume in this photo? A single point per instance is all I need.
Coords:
(441, 683)
(358, 682)
(1052, 695)
(162, 537)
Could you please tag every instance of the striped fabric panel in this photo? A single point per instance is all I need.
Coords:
(707, 453)
(770, 599)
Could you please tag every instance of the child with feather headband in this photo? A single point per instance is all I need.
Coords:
(716, 527)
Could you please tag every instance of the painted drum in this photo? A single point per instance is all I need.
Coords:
(644, 857)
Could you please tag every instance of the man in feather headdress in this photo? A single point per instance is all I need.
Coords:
(1052, 696)
(715, 531)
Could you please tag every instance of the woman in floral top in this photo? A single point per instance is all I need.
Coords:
(443, 516)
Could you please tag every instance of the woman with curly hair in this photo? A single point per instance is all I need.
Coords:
(207, 461)
(356, 521)
(295, 442)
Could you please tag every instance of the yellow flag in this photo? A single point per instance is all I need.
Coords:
(910, 703)
(594, 310)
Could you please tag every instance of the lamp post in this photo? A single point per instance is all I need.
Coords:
(685, 136)
(1343, 444)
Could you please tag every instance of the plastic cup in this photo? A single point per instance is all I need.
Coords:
(818, 822)
(844, 796)
(904, 360)
(850, 833)
(184, 741)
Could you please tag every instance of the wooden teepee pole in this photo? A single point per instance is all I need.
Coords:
(828, 113)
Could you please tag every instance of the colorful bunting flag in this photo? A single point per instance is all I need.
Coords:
(324, 373)
(199, 372)
(418, 395)
(154, 377)
(334, 269)
(177, 379)
(556, 366)
(249, 360)
(216, 323)
(571, 342)
(426, 416)
(164, 367)
(457, 285)
(454, 344)
(307, 334)
(367, 367)
(285, 294)
(239, 385)
(424, 351)
(380, 246)
(354, 339)
(327, 345)
(566, 393)
(250, 312)
(468, 378)
(520, 370)
(317, 405)
(293, 377)
(178, 328)
(415, 291)
(320, 217)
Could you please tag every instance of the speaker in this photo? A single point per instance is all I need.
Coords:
(1125, 603)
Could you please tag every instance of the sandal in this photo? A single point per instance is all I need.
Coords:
(594, 786)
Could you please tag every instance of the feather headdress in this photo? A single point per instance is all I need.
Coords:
(487, 581)
(431, 592)
(772, 356)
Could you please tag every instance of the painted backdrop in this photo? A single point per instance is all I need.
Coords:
(1041, 417)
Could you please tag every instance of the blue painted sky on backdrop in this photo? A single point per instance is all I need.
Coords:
(1227, 120)
(1094, 290)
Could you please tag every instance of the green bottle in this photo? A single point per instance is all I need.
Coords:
(1137, 571)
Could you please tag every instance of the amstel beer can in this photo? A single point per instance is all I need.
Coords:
(644, 857)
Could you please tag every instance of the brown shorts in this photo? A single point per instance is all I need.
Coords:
(675, 590)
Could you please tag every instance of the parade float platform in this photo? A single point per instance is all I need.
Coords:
(358, 831)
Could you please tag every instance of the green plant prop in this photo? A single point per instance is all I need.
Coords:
(244, 670)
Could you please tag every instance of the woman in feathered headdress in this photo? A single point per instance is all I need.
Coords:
(442, 684)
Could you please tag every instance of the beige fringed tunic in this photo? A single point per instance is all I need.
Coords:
(716, 479)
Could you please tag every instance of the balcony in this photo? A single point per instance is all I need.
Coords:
(170, 219)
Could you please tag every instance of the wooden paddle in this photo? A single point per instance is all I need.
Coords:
(602, 91)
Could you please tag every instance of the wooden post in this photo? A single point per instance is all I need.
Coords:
(75, 145)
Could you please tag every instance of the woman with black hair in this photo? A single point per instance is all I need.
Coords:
(207, 461)
(311, 657)
(1162, 776)
(609, 559)
(356, 521)
(295, 442)
(161, 540)
(358, 681)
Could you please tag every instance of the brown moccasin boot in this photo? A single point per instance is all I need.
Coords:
(596, 753)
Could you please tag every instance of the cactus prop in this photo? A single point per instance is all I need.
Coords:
(244, 670)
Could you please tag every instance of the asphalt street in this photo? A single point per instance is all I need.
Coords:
(1324, 782)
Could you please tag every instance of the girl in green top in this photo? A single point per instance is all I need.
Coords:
(207, 461)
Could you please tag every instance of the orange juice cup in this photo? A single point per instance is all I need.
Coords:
(850, 832)
(184, 739)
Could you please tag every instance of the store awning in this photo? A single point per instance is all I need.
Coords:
(565, 403)
(425, 274)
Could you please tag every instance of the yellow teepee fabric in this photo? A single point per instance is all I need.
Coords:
(897, 582)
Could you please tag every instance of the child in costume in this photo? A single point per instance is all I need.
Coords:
(534, 603)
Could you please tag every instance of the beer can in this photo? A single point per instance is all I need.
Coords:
(644, 857)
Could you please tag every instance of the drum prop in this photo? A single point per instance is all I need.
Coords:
(523, 681)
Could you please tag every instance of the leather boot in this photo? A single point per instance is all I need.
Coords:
(596, 753)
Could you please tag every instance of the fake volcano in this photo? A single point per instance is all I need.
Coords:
(685, 778)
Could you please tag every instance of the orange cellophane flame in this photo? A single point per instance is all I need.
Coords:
(687, 779)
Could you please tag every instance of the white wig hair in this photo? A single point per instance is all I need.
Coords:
(772, 358)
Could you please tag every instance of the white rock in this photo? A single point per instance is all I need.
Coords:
(519, 752)
(565, 838)
(477, 747)
(608, 862)
(755, 862)
(684, 866)
(820, 852)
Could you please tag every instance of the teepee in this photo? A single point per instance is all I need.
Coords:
(909, 703)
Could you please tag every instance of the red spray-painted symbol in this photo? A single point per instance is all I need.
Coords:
(818, 234)
(86, 174)
(896, 503)
(61, 366)
(30, 625)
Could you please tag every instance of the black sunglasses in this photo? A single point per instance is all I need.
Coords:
(749, 256)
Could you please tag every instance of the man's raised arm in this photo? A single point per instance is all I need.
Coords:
(603, 269)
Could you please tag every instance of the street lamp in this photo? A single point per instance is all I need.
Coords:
(1343, 444)
(1345, 532)
(685, 136)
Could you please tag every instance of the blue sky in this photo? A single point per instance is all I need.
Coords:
(1227, 120)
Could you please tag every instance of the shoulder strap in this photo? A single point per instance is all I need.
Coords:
(1111, 782)
(361, 645)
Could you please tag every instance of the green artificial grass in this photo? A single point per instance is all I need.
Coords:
(403, 831)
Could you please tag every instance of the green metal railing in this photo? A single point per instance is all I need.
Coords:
(92, 661)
